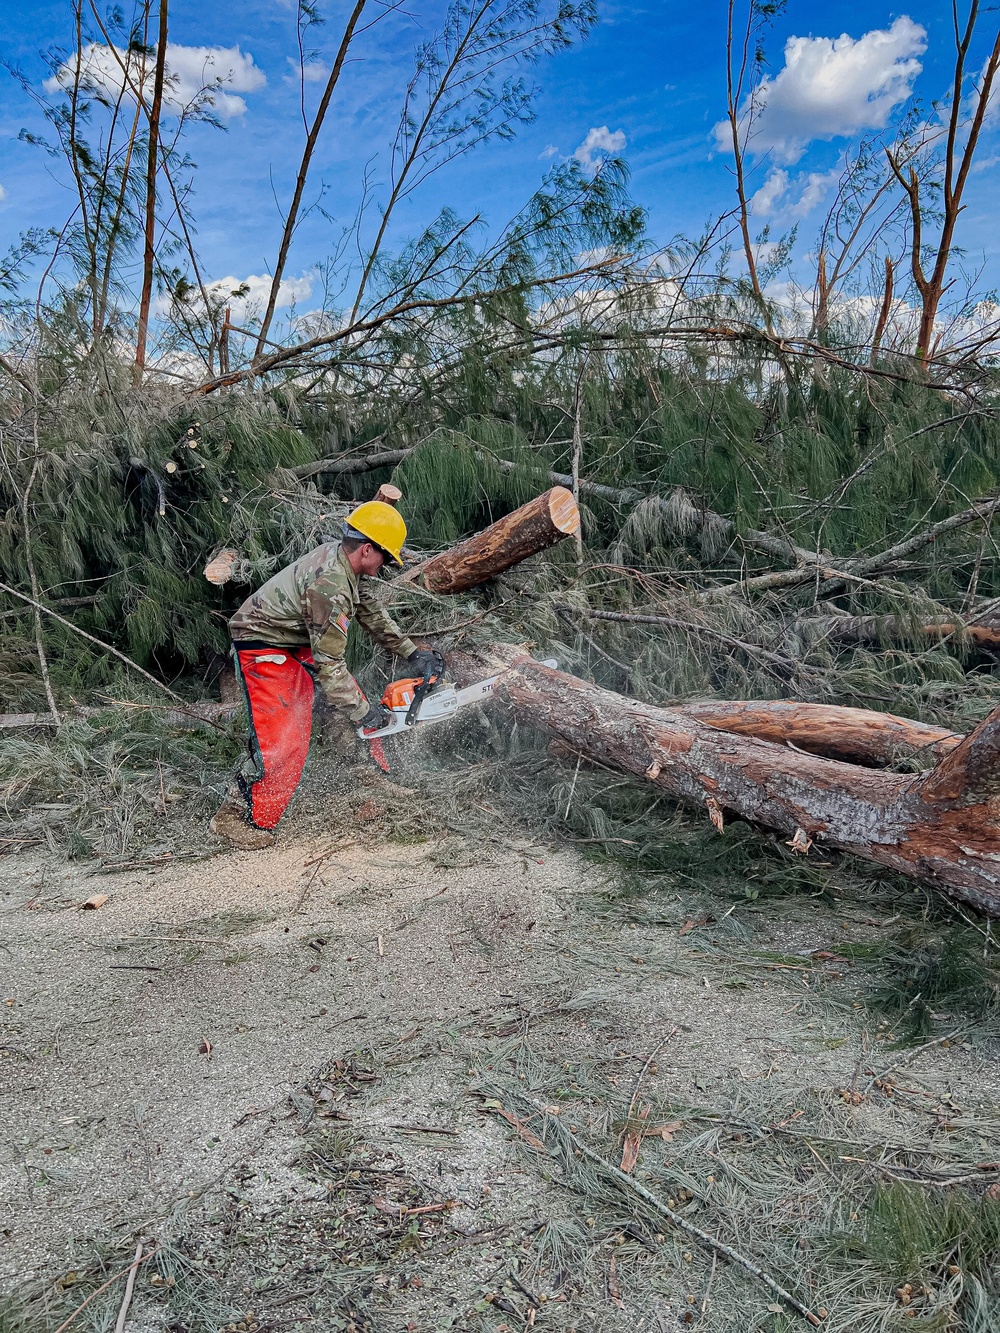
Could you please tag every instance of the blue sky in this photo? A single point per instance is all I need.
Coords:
(651, 75)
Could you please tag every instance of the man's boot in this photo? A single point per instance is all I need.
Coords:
(230, 823)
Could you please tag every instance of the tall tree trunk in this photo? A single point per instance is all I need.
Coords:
(734, 91)
(312, 138)
(149, 251)
(942, 827)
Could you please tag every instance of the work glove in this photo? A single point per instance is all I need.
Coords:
(425, 662)
(378, 716)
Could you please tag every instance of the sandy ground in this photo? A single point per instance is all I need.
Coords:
(168, 1064)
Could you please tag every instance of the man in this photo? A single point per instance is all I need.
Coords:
(292, 633)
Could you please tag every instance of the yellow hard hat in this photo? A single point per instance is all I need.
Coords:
(382, 525)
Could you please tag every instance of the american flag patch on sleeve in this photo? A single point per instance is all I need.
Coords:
(343, 624)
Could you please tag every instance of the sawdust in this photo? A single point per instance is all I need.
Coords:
(169, 1066)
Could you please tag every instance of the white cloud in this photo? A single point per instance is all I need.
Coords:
(599, 141)
(550, 150)
(831, 88)
(3, 194)
(766, 202)
(206, 76)
(790, 200)
(258, 285)
(314, 71)
(254, 293)
(816, 187)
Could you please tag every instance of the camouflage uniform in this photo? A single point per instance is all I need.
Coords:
(290, 634)
(313, 603)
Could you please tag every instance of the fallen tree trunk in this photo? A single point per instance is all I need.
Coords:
(855, 735)
(193, 717)
(941, 827)
(895, 629)
(540, 523)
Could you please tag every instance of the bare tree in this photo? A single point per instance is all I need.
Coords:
(312, 136)
(954, 178)
(459, 99)
(744, 60)
(149, 249)
(860, 221)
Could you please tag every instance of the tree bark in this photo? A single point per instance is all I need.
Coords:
(942, 827)
(540, 523)
(149, 252)
(854, 735)
(893, 629)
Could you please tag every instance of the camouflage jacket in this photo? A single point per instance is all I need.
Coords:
(313, 602)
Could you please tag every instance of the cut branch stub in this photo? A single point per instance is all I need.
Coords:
(219, 569)
(942, 827)
(388, 494)
(540, 523)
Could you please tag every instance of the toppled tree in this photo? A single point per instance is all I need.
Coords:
(941, 827)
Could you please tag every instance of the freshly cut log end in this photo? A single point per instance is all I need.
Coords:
(388, 494)
(537, 525)
(564, 514)
(219, 569)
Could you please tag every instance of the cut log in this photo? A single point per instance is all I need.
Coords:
(219, 569)
(534, 527)
(942, 827)
(855, 735)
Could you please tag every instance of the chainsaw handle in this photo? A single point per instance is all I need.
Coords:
(420, 692)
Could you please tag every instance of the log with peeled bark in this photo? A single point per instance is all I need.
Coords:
(537, 525)
(941, 827)
(855, 735)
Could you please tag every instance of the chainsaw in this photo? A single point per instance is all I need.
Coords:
(420, 700)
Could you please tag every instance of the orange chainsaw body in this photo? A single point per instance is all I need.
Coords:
(399, 693)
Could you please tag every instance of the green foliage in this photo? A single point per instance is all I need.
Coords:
(928, 976)
(944, 1244)
(103, 782)
(126, 509)
(455, 485)
(16, 1317)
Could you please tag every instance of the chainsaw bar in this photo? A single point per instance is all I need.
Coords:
(440, 704)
